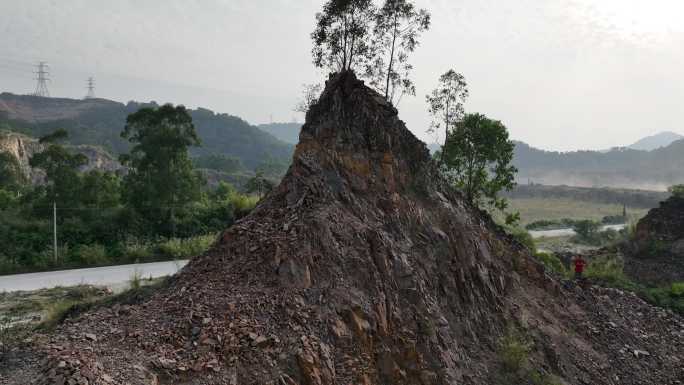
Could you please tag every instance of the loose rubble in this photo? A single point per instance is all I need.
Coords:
(364, 267)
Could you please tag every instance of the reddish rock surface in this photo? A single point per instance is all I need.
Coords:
(364, 267)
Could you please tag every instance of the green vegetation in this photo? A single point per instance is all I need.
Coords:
(375, 42)
(514, 355)
(158, 211)
(567, 223)
(100, 124)
(224, 163)
(608, 270)
(677, 190)
(445, 104)
(669, 297)
(161, 181)
(552, 263)
(559, 209)
(477, 155)
(398, 25)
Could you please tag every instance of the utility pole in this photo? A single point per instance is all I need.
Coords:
(41, 87)
(91, 88)
(54, 228)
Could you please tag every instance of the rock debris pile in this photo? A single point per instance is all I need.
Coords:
(365, 267)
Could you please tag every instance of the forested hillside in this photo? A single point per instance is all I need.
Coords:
(620, 167)
(100, 122)
(287, 132)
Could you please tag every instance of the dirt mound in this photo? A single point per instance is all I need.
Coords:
(657, 255)
(364, 267)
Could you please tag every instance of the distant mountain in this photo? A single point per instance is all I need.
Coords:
(100, 122)
(619, 167)
(662, 139)
(287, 132)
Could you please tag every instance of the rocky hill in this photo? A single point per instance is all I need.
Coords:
(364, 267)
(658, 258)
(23, 148)
(99, 122)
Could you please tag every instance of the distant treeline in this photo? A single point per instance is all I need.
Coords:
(99, 122)
(631, 198)
(619, 167)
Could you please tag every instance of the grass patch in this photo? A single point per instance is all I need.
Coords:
(135, 295)
(514, 351)
(552, 263)
(557, 209)
(514, 355)
(57, 313)
(176, 248)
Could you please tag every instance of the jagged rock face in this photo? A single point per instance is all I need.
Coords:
(23, 148)
(363, 267)
(658, 258)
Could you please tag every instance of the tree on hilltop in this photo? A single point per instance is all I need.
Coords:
(398, 25)
(445, 104)
(342, 34)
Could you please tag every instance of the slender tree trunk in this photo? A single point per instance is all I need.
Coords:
(446, 132)
(351, 45)
(391, 62)
(344, 49)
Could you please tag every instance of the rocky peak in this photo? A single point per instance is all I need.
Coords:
(355, 131)
(363, 267)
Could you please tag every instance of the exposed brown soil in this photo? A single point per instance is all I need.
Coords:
(365, 267)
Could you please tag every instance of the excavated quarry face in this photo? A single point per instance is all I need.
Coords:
(362, 267)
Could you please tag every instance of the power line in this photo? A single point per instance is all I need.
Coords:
(41, 87)
(91, 88)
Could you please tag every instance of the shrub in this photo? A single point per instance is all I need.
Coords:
(608, 269)
(58, 312)
(677, 190)
(94, 254)
(136, 280)
(669, 297)
(514, 351)
(184, 248)
(552, 263)
(587, 229)
(138, 251)
(243, 204)
(523, 236)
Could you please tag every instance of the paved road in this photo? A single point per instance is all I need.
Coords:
(118, 276)
(111, 276)
(567, 232)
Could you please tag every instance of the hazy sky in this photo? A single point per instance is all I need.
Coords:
(561, 74)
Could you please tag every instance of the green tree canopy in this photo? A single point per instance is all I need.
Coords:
(61, 168)
(342, 34)
(445, 103)
(11, 176)
(259, 185)
(161, 179)
(398, 25)
(677, 190)
(478, 155)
